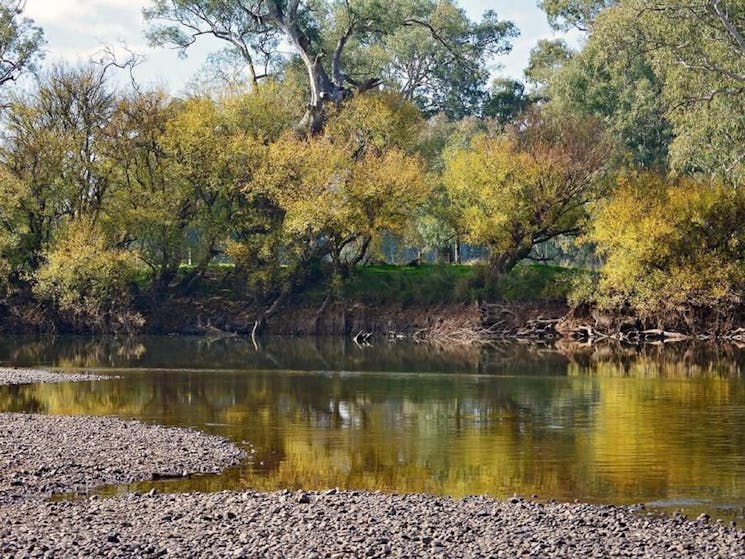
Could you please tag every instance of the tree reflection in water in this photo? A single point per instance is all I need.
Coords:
(603, 422)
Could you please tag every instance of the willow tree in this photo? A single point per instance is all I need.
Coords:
(533, 184)
(430, 48)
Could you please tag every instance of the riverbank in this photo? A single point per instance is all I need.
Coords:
(438, 303)
(9, 376)
(44, 455)
(350, 524)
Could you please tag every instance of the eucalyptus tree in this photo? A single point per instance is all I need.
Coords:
(578, 14)
(669, 79)
(698, 50)
(507, 100)
(20, 40)
(429, 49)
(546, 59)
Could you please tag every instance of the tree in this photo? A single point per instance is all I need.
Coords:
(698, 51)
(546, 59)
(54, 144)
(357, 181)
(151, 207)
(669, 78)
(427, 67)
(88, 278)
(613, 80)
(671, 247)
(507, 101)
(20, 41)
(579, 14)
(521, 189)
(322, 34)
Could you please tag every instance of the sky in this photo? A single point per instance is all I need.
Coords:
(78, 30)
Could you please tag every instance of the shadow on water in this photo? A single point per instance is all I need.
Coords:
(603, 423)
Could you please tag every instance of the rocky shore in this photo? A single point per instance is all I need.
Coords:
(33, 376)
(42, 455)
(350, 524)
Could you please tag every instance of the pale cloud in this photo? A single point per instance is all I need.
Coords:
(77, 28)
(67, 11)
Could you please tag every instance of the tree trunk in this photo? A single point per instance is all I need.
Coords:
(502, 263)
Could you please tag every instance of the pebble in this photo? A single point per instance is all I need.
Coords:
(36, 376)
(271, 525)
(42, 455)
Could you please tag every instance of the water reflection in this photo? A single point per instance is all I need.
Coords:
(598, 423)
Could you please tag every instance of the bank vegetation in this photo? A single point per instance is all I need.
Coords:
(279, 181)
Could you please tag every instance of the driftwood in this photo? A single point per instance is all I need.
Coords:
(362, 338)
(213, 331)
(589, 333)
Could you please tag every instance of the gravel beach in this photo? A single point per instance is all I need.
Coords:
(42, 455)
(33, 376)
(349, 524)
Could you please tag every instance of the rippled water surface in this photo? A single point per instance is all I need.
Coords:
(660, 425)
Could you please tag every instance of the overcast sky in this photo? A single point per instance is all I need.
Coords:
(76, 29)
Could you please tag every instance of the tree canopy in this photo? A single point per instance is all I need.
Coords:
(428, 49)
(377, 129)
(20, 40)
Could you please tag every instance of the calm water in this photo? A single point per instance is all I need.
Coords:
(604, 424)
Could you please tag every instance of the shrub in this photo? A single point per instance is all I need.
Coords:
(670, 246)
(88, 279)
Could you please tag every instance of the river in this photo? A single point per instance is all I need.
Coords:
(661, 425)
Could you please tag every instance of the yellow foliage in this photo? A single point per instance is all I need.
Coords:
(323, 190)
(493, 186)
(525, 187)
(376, 122)
(87, 277)
(670, 244)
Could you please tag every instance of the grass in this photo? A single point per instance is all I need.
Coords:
(425, 284)
(428, 284)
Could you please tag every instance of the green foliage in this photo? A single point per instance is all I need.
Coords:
(670, 245)
(455, 52)
(20, 41)
(506, 101)
(611, 80)
(668, 78)
(579, 14)
(698, 52)
(546, 59)
(88, 279)
(433, 284)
